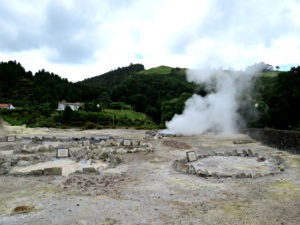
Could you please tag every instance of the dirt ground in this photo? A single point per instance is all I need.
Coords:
(145, 188)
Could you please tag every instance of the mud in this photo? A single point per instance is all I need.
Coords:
(145, 188)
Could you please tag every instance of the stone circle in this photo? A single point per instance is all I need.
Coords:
(233, 164)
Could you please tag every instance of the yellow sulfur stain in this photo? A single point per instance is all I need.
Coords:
(285, 190)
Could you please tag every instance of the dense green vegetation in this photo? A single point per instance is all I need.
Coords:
(278, 100)
(134, 97)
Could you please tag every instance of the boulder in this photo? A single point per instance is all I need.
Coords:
(89, 170)
(121, 151)
(42, 148)
(53, 171)
(235, 153)
(250, 153)
(191, 169)
(86, 143)
(245, 153)
(113, 161)
(181, 166)
(27, 149)
(202, 173)
(38, 172)
(5, 167)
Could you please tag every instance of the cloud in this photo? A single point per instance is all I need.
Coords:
(17, 31)
(99, 35)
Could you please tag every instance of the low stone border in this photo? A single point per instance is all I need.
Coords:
(31, 150)
(184, 166)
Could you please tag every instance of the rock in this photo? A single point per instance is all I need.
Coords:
(191, 169)
(89, 170)
(51, 148)
(281, 167)
(102, 143)
(39, 172)
(26, 158)
(260, 159)
(135, 144)
(85, 161)
(42, 149)
(235, 153)
(250, 153)
(53, 171)
(228, 153)
(35, 139)
(121, 151)
(22, 209)
(113, 161)
(112, 142)
(202, 173)
(243, 141)
(23, 163)
(148, 146)
(134, 150)
(241, 175)
(86, 143)
(245, 153)
(181, 166)
(256, 175)
(216, 174)
(27, 149)
(5, 167)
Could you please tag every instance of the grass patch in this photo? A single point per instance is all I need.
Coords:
(163, 70)
(125, 113)
(157, 70)
(270, 73)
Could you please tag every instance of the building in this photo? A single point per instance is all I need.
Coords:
(6, 106)
(74, 106)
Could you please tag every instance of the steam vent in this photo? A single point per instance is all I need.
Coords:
(235, 164)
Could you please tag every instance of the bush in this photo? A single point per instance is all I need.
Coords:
(89, 125)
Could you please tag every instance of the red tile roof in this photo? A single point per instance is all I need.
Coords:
(3, 105)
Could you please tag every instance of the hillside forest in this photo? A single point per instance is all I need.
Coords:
(132, 96)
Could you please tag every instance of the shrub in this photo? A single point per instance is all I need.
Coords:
(89, 125)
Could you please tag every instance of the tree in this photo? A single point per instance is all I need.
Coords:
(281, 97)
(67, 115)
(259, 67)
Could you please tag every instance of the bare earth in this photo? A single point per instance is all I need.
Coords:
(145, 188)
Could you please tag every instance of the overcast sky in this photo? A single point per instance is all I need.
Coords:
(77, 39)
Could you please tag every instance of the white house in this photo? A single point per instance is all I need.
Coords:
(74, 106)
(6, 106)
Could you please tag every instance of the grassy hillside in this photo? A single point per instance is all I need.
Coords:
(114, 77)
(163, 70)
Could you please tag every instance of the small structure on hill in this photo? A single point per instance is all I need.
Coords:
(74, 106)
(6, 106)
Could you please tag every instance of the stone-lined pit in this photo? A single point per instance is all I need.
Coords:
(231, 164)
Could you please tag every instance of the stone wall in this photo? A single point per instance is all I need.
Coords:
(281, 139)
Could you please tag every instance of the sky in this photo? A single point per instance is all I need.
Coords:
(77, 39)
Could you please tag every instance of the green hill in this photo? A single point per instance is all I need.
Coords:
(113, 98)
(114, 77)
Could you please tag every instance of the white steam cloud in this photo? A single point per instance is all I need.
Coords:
(218, 110)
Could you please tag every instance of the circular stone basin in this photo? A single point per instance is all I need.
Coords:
(233, 166)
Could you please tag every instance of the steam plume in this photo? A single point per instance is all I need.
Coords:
(218, 110)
